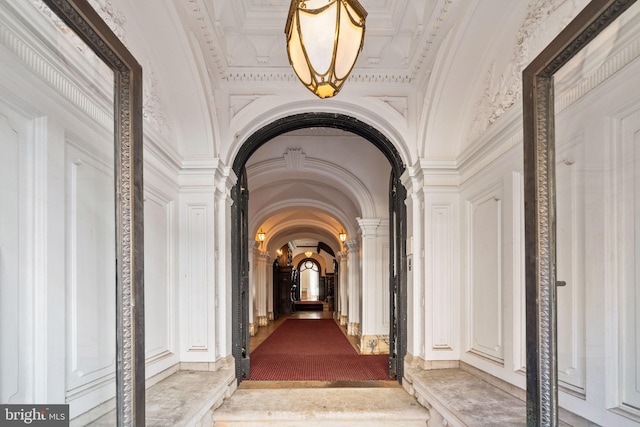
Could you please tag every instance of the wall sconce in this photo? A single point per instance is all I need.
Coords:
(279, 253)
(324, 38)
(342, 236)
(308, 254)
(261, 235)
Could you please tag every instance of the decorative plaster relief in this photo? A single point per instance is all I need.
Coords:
(294, 159)
(503, 89)
(152, 108)
(114, 19)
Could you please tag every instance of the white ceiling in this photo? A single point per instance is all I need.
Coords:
(253, 31)
(250, 33)
(436, 72)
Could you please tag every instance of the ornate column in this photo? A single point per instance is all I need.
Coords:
(353, 288)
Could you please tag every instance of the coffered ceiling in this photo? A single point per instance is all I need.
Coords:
(250, 33)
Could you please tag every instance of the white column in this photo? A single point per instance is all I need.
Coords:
(435, 231)
(261, 288)
(342, 309)
(353, 288)
(254, 250)
(225, 180)
(374, 284)
(269, 273)
(413, 182)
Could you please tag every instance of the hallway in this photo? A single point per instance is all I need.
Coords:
(318, 403)
(169, 189)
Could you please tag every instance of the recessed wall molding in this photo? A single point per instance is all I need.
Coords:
(485, 322)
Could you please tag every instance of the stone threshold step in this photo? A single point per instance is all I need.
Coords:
(348, 407)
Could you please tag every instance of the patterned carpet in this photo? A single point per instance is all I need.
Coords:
(313, 350)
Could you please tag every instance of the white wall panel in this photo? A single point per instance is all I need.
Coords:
(629, 262)
(441, 276)
(12, 328)
(518, 280)
(197, 299)
(91, 263)
(570, 263)
(158, 275)
(485, 274)
(383, 271)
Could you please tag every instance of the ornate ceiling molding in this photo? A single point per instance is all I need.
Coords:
(402, 78)
(205, 33)
(428, 37)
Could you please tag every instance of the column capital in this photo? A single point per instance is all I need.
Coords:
(368, 226)
(352, 246)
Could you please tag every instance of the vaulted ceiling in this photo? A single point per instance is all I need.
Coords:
(438, 73)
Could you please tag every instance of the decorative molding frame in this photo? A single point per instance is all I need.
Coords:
(540, 233)
(130, 371)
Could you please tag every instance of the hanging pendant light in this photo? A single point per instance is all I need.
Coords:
(324, 38)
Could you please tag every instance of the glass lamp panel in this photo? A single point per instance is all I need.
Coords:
(349, 43)
(296, 55)
(318, 35)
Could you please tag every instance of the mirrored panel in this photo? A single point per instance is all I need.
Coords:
(67, 276)
(597, 149)
(581, 115)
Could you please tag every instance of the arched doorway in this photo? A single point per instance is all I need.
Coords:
(397, 232)
(308, 288)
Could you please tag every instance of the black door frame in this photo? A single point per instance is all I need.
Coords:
(239, 242)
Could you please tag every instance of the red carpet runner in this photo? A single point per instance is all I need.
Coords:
(313, 350)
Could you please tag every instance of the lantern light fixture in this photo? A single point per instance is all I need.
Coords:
(261, 235)
(308, 254)
(342, 236)
(324, 38)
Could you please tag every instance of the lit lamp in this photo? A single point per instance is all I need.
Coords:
(308, 254)
(324, 38)
(342, 236)
(261, 235)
